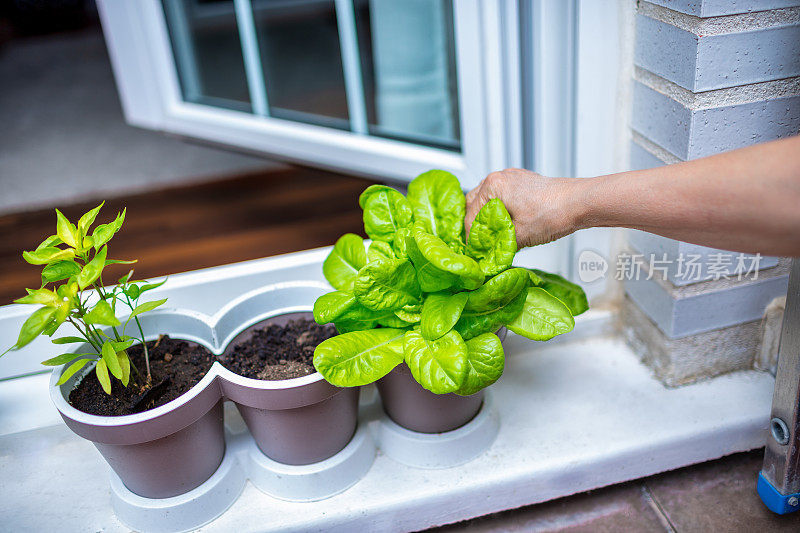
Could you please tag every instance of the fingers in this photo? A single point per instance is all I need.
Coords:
(474, 204)
(487, 189)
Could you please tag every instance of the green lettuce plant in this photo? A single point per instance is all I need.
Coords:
(73, 292)
(420, 294)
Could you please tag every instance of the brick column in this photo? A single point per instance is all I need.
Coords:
(710, 76)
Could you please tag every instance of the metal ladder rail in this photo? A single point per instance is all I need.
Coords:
(779, 479)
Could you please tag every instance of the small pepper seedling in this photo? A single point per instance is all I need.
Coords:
(73, 292)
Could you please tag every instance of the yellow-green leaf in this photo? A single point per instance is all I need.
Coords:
(62, 312)
(122, 345)
(111, 359)
(150, 286)
(101, 314)
(61, 359)
(68, 290)
(39, 296)
(87, 219)
(440, 312)
(120, 261)
(92, 270)
(133, 291)
(68, 340)
(125, 365)
(103, 233)
(492, 240)
(147, 306)
(48, 254)
(542, 317)
(439, 205)
(387, 285)
(101, 370)
(117, 224)
(34, 325)
(66, 230)
(359, 357)
(70, 371)
(485, 361)
(439, 366)
(88, 242)
(569, 293)
(51, 241)
(125, 278)
(59, 271)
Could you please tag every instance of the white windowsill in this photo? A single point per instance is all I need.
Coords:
(574, 415)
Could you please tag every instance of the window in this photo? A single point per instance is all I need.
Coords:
(380, 68)
(375, 87)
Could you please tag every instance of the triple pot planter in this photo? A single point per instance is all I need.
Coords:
(301, 428)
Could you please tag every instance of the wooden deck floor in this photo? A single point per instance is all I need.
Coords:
(186, 228)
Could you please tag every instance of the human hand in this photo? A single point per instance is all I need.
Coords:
(542, 209)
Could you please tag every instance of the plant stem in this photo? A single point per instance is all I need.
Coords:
(91, 333)
(141, 333)
(96, 332)
(85, 334)
(144, 347)
(133, 366)
(100, 290)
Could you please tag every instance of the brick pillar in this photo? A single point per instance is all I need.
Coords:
(710, 76)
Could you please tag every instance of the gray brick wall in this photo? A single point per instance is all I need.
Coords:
(705, 54)
(709, 76)
(716, 8)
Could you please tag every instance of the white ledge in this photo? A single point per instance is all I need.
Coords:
(573, 416)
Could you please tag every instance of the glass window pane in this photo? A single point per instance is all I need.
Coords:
(302, 61)
(408, 65)
(208, 52)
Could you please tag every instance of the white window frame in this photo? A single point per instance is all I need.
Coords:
(486, 54)
(576, 79)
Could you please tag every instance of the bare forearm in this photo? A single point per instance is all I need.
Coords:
(746, 200)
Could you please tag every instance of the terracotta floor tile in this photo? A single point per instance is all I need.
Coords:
(714, 497)
(624, 508)
(719, 496)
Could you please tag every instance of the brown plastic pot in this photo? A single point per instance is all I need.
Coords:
(294, 421)
(159, 453)
(418, 409)
(411, 406)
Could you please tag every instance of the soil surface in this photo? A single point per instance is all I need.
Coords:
(277, 352)
(176, 366)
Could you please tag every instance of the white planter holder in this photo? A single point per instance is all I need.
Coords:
(187, 511)
(438, 450)
(243, 460)
(308, 483)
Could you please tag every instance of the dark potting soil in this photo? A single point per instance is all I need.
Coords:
(175, 365)
(276, 352)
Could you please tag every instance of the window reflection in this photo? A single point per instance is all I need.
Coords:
(208, 52)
